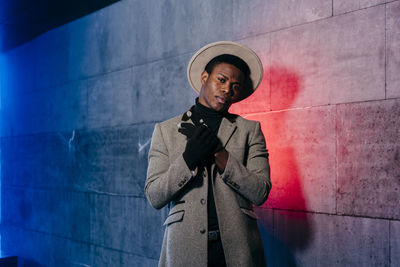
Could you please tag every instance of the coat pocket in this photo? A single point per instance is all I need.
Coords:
(249, 213)
(177, 216)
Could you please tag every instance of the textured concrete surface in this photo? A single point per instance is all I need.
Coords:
(79, 103)
(51, 212)
(162, 90)
(265, 16)
(109, 257)
(329, 62)
(394, 243)
(392, 49)
(42, 160)
(343, 6)
(126, 224)
(57, 251)
(57, 109)
(368, 159)
(113, 160)
(301, 144)
(110, 160)
(112, 38)
(328, 240)
(103, 94)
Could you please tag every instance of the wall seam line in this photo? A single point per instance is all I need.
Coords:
(91, 192)
(385, 53)
(390, 249)
(336, 159)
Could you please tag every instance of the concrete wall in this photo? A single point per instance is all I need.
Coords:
(79, 103)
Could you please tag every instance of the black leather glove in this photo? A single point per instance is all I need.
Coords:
(202, 142)
(186, 129)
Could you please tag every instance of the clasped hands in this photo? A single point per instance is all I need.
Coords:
(201, 144)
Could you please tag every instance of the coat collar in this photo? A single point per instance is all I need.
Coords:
(226, 129)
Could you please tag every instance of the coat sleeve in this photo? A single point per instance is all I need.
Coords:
(164, 179)
(253, 180)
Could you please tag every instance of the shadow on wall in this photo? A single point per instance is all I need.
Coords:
(291, 230)
(285, 229)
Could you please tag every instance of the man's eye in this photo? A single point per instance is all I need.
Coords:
(222, 80)
(236, 88)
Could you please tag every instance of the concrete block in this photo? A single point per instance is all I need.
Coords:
(110, 99)
(178, 27)
(368, 159)
(126, 223)
(107, 160)
(51, 58)
(344, 6)
(336, 60)
(41, 160)
(33, 248)
(302, 147)
(392, 49)
(131, 163)
(38, 249)
(162, 90)
(112, 39)
(96, 156)
(6, 158)
(112, 160)
(394, 243)
(255, 17)
(66, 108)
(53, 212)
(260, 100)
(109, 257)
(109, 39)
(54, 109)
(329, 240)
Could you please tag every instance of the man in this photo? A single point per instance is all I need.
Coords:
(210, 166)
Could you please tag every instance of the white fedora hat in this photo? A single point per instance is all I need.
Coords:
(205, 54)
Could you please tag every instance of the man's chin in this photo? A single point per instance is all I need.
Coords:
(221, 108)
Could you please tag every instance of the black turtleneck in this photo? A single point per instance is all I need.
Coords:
(210, 116)
(212, 119)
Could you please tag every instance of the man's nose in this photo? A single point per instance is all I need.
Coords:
(226, 88)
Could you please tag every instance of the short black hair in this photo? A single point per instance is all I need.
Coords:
(230, 59)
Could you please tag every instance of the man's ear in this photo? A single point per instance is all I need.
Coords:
(204, 77)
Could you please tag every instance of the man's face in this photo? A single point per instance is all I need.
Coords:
(221, 87)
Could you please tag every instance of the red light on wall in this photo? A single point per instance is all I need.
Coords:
(286, 179)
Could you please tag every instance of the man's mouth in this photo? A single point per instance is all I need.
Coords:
(221, 99)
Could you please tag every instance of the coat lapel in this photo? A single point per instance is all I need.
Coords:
(226, 130)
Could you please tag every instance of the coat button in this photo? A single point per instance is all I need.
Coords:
(203, 201)
(202, 230)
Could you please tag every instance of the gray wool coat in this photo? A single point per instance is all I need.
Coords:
(245, 181)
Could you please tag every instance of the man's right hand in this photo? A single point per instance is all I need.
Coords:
(201, 144)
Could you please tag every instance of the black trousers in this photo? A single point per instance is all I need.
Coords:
(216, 257)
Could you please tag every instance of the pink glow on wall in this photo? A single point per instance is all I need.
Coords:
(286, 179)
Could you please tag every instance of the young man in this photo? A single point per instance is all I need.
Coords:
(210, 166)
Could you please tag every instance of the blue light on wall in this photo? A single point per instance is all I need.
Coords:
(1, 124)
(1, 88)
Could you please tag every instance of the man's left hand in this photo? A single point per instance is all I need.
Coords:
(221, 158)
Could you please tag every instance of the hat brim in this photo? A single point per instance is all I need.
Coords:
(205, 54)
